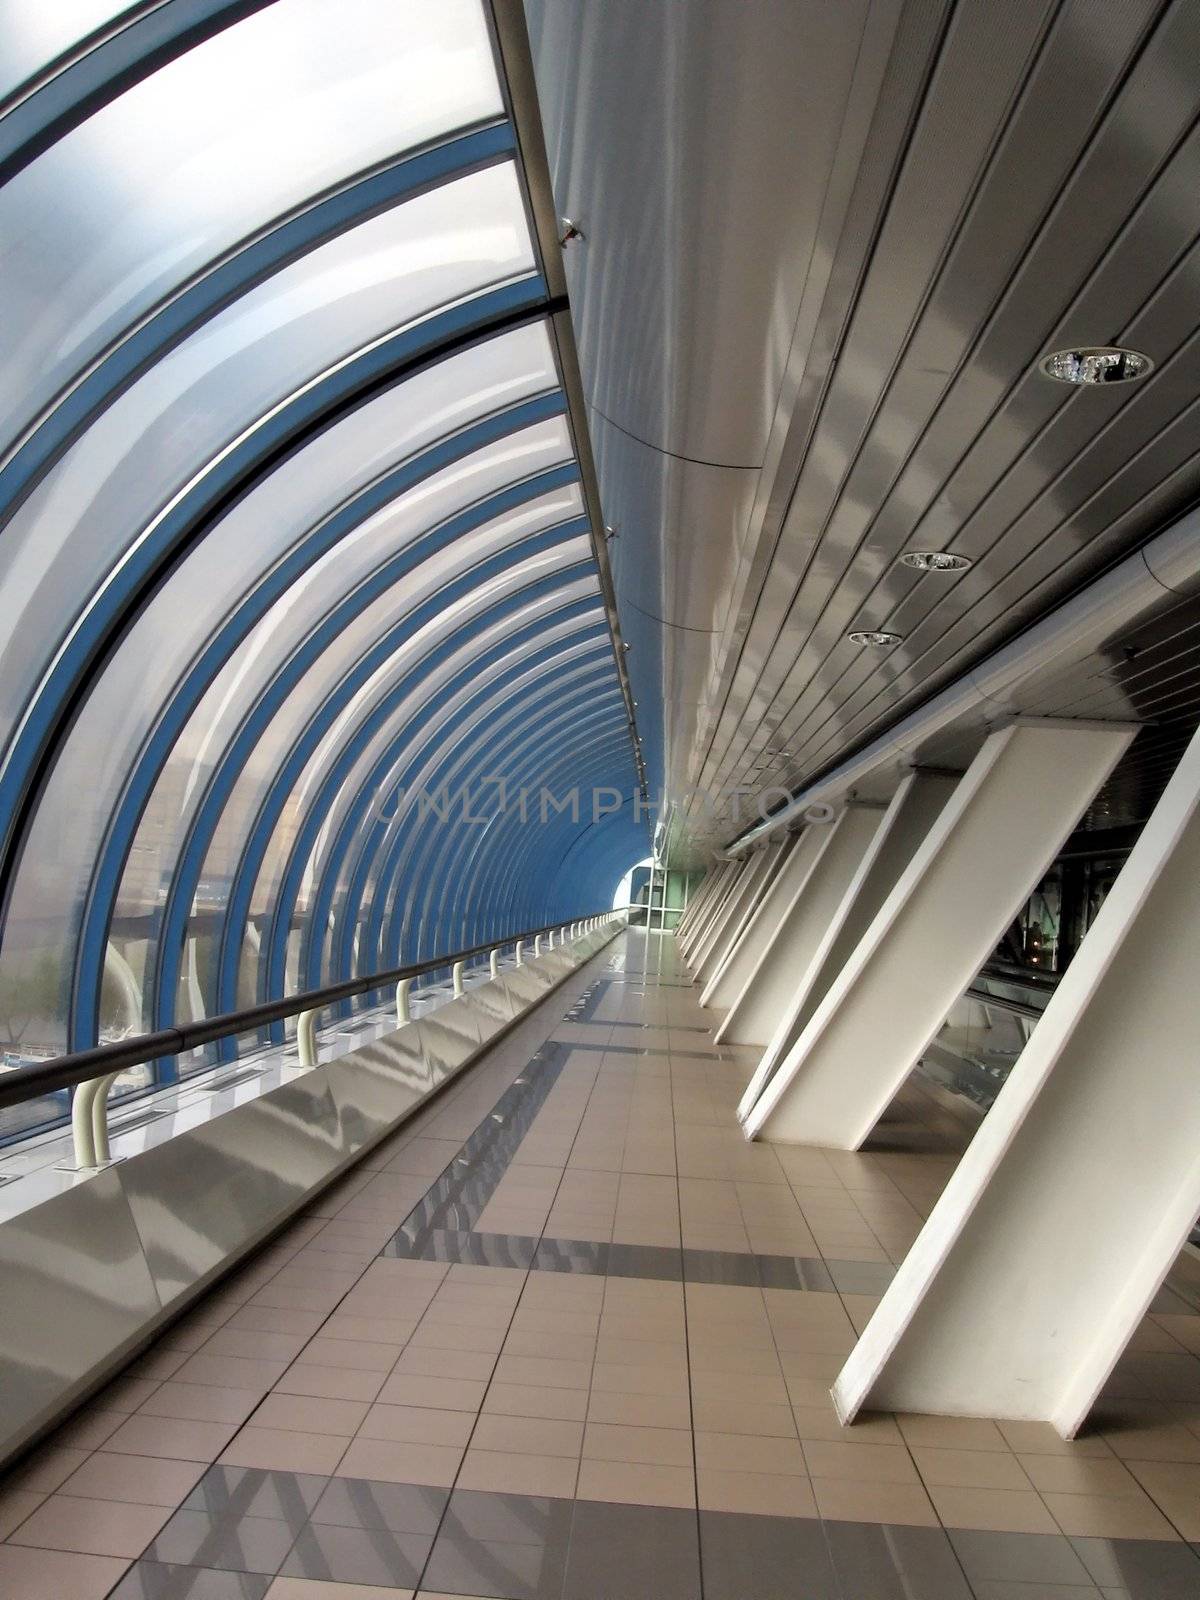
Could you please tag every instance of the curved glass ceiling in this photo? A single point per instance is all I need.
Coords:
(305, 608)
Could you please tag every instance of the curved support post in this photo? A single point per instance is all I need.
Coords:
(82, 1135)
(403, 1010)
(99, 1101)
(519, 953)
(306, 1038)
(494, 964)
(537, 944)
(456, 973)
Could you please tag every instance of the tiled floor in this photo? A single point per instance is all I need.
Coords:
(567, 1335)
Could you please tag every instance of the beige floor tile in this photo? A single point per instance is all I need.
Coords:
(317, 1589)
(443, 1394)
(1109, 1516)
(15, 1506)
(392, 1461)
(668, 1447)
(952, 1433)
(534, 1436)
(1166, 1441)
(1079, 1475)
(528, 1400)
(757, 1493)
(821, 1422)
(641, 1352)
(640, 1410)
(852, 1500)
(91, 1527)
(970, 1469)
(555, 1346)
(417, 1425)
(993, 1510)
(1039, 1438)
(740, 1416)
(330, 1383)
(754, 1388)
(177, 1438)
(864, 1462)
(284, 1450)
(614, 1377)
(1175, 1487)
(141, 1480)
(745, 1452)
(30, 1574)
(543, 1372)
(511, 1473)
(310, 1414)
(472, 1365)
(636, 1483)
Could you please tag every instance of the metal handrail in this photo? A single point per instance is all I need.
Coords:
(81, 1066)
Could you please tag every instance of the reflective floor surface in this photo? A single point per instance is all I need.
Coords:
(566, 1336)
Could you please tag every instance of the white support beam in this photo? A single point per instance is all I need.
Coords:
(979, 862)
(740, 905)
(907, 820)
(711, 912)
(696, 902)
(713, 889)
(1040, 1259)
(837, 849)
(742, 957)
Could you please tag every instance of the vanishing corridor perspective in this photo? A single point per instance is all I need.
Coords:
(599, 800)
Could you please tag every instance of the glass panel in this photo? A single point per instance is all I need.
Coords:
(233, 134)
(408, 735)
(351, 645)
(34, 33)
(474, 759)
(109, 488)
(432, 405)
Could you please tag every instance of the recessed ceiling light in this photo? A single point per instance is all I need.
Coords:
(934, 561)
(1102, 364)
(874, 636)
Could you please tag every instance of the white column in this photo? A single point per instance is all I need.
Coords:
(742, 956)
(838, 848)
(908, 818)
(707, 955)
(703, 900)
(696, 902)
(712, 911)
(979, 862)
(1055, 1232)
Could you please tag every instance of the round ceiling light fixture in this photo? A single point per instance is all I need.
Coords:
(934, 561)
(878, 638)
(1100, 364)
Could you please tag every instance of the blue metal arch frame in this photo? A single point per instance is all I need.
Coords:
(455, 692)
(186, 878)
(397, 858)
(435, 927)
(227, 478)
(569, 830)
(400, 863)
(491, 747)
(233, 628)
(472, 884)
(65, 92)
(514, 745)
(590, 671)
(471, 866)
(275, 947)
(225, 281)
(468, 866)
(575, 646)
(598, 761)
